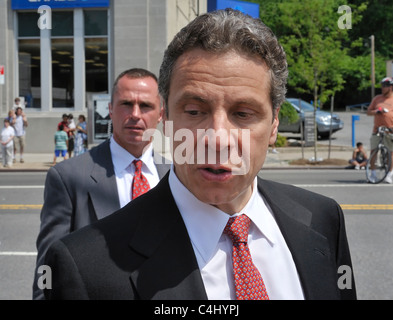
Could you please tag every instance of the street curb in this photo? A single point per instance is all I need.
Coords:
(23, 170)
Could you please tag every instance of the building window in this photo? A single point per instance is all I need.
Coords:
(38, 54)
(96, 50)
(62, 72)
(29, 59)
(62, 44)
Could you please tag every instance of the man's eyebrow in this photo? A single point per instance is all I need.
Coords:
(192, 96)
(132, 101)
(126, 101)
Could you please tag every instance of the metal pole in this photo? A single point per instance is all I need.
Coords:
(372, 67)
(331, 123)
(301, 128)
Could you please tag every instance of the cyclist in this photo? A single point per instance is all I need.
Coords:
(381, 108)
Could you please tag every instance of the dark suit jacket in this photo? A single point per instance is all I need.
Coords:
(78, 192)
(143, 251)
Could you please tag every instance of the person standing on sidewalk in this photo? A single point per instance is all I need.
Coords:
(71, 134)
(61, 143)
(7, 144)
(20, 123)
(81, 136)
(381, 108)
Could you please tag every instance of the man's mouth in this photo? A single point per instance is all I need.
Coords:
(217, 171)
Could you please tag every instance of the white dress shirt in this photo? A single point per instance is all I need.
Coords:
(124, 170)
(205, 225)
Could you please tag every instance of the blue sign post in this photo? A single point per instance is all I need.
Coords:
(249, 8)
(354, 118)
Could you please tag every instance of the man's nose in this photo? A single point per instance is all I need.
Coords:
(217, 134)
(135, 112)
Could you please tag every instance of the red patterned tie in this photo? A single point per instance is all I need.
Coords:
(140, 185)
(248, 281)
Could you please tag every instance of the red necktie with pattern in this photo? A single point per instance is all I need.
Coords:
(140, 185)
(248, 281)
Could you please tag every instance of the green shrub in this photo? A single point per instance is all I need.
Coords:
(287, 113)
(281, 141)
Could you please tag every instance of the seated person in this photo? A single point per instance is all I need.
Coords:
(359, 157)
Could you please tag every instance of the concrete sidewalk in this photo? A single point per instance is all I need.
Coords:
(339, 157)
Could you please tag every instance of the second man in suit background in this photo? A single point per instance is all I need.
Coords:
(94, 185)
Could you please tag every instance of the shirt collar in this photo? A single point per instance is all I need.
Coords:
(122, 159)
(205, 223)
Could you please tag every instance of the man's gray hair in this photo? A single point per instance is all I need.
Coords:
(222, 31)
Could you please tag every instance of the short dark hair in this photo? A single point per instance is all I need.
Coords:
(133, 73)
(60, 127)
(222, 31)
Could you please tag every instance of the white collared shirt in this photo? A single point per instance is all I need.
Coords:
(124, 170)
(205, 225)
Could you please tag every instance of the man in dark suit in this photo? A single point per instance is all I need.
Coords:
(211, 228)
(90, 187)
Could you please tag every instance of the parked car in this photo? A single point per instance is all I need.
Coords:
(322, 118)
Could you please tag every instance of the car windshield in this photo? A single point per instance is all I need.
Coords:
(304, 105)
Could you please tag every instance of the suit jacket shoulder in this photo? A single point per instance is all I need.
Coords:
(142, 251)
(314, 229)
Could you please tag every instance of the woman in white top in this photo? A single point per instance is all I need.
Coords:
(7, 143)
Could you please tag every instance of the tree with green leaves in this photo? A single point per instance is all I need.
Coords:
(317, 46)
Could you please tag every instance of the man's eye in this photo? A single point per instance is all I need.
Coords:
(144, 106)
(243, 115)
(192, 112)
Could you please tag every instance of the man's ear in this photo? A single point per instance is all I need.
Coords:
(110, 109)
(164, 119)
(274, 131)
(162, 114)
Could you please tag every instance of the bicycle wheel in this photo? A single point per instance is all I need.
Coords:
(378, 165)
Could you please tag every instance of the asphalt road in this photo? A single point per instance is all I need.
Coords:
(368, 212)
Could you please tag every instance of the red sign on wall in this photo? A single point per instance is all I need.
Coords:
(2, 74)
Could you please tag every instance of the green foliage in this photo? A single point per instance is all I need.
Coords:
(320, 55)
(314, 45)
(287, 113)
(281, 141)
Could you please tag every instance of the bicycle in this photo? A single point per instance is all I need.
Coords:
(378, 165)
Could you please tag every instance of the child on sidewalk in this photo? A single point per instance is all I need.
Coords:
(359, 157)
(61, 143)
(7, 144)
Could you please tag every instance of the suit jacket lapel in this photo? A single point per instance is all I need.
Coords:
(162, 164)
(103, 189)
(169, 269)
(309, 249)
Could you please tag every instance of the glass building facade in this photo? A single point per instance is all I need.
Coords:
(57, 56)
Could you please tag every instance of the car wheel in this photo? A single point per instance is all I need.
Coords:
(324, 135)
